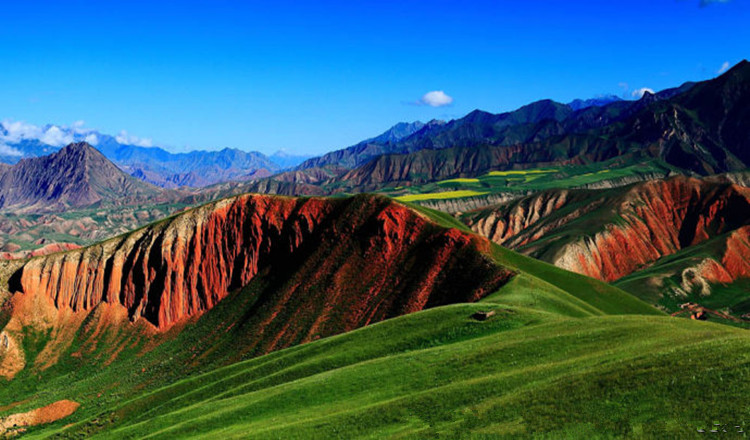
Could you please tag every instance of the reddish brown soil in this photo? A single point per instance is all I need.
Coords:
(39, 416)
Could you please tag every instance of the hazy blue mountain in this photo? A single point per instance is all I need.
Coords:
(476, 128)
(397, 132)
(599, 101)
(362, 152)
(287, 160)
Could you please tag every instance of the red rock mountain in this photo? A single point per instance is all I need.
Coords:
(608, 234)
(315, 267)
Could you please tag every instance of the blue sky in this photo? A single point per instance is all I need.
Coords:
(314, 76)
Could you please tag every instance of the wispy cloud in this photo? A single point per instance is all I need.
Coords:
(16, 131)
(78, 127)
(625, 88)
(92, 139)
(638, 93)
(7, 150)
(56, 137)
(128, 139)
(724, 67)
(13, 132)
(436, 98)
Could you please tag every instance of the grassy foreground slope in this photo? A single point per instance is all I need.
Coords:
(440, 373)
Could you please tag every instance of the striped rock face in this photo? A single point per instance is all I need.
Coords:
(328, 266)
(608, 234)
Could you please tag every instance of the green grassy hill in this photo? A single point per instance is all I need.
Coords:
(441, 373)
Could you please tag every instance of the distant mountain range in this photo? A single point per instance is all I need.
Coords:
(698, 127)
(531, 123)
(356, 155)
(151, 164)
(600, 101)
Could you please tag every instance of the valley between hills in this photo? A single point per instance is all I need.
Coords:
(561, 270)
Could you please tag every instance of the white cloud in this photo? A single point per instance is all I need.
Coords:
(129, 139)
(78, 128)
(6, 150)
(638, 93)
(436, 98)
(16, 131)
(13, 132)
(724, 67)
(91, 139)
(56, 137)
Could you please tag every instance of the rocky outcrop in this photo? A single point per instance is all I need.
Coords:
(608, 234)
(661, 218)
(366, 256)
(727, 259)
(735, 261)
(527, 219)
(14, 424)
(461, 204)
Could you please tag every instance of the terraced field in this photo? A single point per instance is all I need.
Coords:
(439, 195)
(518, 182)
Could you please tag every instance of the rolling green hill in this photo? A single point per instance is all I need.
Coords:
(520, 373)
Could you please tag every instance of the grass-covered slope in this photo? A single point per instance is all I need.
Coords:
(538, 279)
(441, 373)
